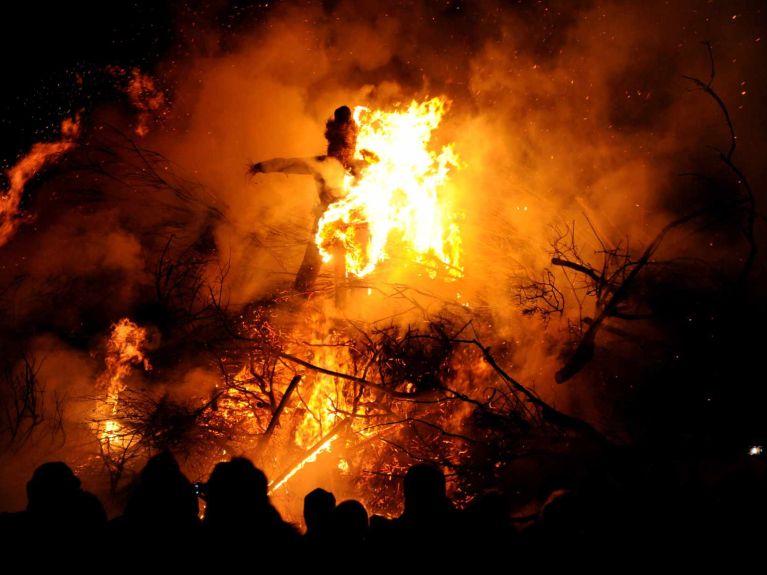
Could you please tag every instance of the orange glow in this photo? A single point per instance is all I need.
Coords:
(323, 396)
(125, 350)
(39, 156)
(395, 200)
(145, 97)
(310, 458)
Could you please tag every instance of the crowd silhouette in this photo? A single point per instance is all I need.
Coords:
(615, 510)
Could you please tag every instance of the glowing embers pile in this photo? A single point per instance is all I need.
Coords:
(125, 351)
(325, 407)
(325, 401)
(393, 208)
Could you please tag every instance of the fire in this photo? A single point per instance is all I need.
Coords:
(326, 397)
(396, 197)
(39, 156)
(125, 350)
(323, 447)
(326, 406)
(145, 97)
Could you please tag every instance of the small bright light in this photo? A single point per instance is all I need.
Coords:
(756, 450)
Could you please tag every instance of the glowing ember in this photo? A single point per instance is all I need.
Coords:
(310, 458)
(124, 351)
(396, 196)
(323, 396)
(145, 97)
(41, 154)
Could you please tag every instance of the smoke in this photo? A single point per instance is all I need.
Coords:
(575, 114)
(590, 118)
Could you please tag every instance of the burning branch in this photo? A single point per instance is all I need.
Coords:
(280, 408)
(322, 446)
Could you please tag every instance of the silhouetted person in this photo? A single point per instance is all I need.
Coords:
(565, 523)
(239, 516)
(426, 501)
(329, 172)
(318, 509)
(55, 500)
(60, 517)
(487, 527)
(426, 526)
(161, 511)
(350, 525)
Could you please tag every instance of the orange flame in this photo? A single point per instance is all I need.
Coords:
(41, 154)
(310, 458)
(396, 196)
(325, 395)
(145, 97)
(125, 350)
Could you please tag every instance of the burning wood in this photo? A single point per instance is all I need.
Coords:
(280, 408)
(322, 446)
(329, 172)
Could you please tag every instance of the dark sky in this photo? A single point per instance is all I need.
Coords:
(46, 45)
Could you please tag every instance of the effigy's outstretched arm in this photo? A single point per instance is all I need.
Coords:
(327, 171)
(305, 166)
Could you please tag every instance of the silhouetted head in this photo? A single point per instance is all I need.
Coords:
(318, 507)
(53, 485)
(55, 501)
(341, 134)
(162, 494)
(236, 489)
(425, 490)
(342, 114)
(350, 521)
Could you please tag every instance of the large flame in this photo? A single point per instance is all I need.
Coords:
(125, 350)
(325, 399)
(395, 200)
